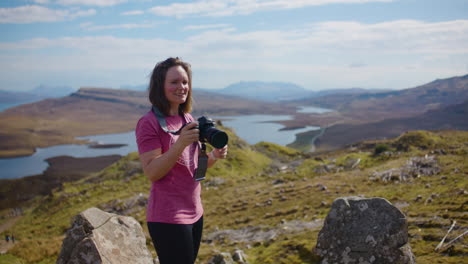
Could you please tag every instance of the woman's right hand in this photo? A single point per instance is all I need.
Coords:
(188, 134)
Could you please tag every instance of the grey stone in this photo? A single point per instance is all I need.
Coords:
(352, 163)
(100, 237)
(126, 206)
(415, 167)
(364, 230)
(239, 257)
(222, 258)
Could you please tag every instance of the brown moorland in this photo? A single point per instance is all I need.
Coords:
(373, 107)
(59, 121)
(92, 111)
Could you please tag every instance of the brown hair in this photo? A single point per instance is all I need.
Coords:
(156, 86)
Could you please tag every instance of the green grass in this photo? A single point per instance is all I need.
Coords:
(11, 259)
(251, 196)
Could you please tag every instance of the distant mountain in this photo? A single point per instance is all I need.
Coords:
(452, 117)
(141, 87)
(359, 115)
(266, 91)
(347, 91)
(47, 91)
(282, 91)
(36, 94)
(365, 107)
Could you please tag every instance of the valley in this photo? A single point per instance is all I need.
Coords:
(59, 120)
(264, 188)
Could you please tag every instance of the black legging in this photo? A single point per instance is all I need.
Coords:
(174, 243)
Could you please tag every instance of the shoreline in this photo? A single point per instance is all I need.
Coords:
(18, 191)
(305, 141)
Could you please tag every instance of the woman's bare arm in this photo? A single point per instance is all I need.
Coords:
(217, 154)
(157, 164)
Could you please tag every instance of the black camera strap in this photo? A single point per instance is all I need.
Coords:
(162, 121)
(202, 164)
(200, 171)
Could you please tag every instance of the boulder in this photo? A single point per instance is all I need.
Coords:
(364, 231)
(239, 257)
(100, 237)
(221, 258)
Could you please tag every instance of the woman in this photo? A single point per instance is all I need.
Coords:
(169, 160)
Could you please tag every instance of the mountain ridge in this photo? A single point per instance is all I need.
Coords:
(450, 117)
(59, 120)
(396, 104)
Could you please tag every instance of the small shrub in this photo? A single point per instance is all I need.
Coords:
(416, 139)
(381, 148)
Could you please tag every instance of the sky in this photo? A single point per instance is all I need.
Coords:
(317, 44)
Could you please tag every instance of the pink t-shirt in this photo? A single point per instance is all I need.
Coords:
(175, 198)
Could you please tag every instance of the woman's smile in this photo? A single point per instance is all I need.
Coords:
(176, 86)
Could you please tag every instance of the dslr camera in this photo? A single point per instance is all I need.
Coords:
(208, 133)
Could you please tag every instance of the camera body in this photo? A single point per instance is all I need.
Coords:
(208, 133)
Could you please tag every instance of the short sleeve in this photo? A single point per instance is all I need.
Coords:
(147, 137)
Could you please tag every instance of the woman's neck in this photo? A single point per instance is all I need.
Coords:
(174, 110)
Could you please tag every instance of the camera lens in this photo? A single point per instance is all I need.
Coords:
(217, 138)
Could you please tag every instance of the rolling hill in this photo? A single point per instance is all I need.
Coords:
(266, 91)
(281, 91)
(450, 117)
(371, 107)
(60, 120)
(92, 111)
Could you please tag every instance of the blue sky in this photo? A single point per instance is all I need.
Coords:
(317, 44)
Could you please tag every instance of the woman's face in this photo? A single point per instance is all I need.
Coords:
(176, 85)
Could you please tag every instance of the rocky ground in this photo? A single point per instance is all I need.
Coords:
(269, 201)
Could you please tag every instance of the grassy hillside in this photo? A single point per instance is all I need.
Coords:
(270, 201)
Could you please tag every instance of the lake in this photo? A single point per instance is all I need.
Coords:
(252, 128)
(257, 128)
(4, 106)
(36, 164)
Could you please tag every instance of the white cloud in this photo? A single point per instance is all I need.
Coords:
(42, 2)
(204, 27)
(242, 7)
(401, 36)
(33, 13)
(387, 54)
(92, 27)
(91, 2)
(133, 13)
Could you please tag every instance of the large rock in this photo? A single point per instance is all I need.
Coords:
(364, 231)
(221, 258)
(238, 257)
(100, 237)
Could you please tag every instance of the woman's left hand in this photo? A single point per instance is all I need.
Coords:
(220, 153)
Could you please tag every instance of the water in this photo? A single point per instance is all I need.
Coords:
(313, 109)
(257, 128)
(36, 164)
(253, 129)
(4, 106)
